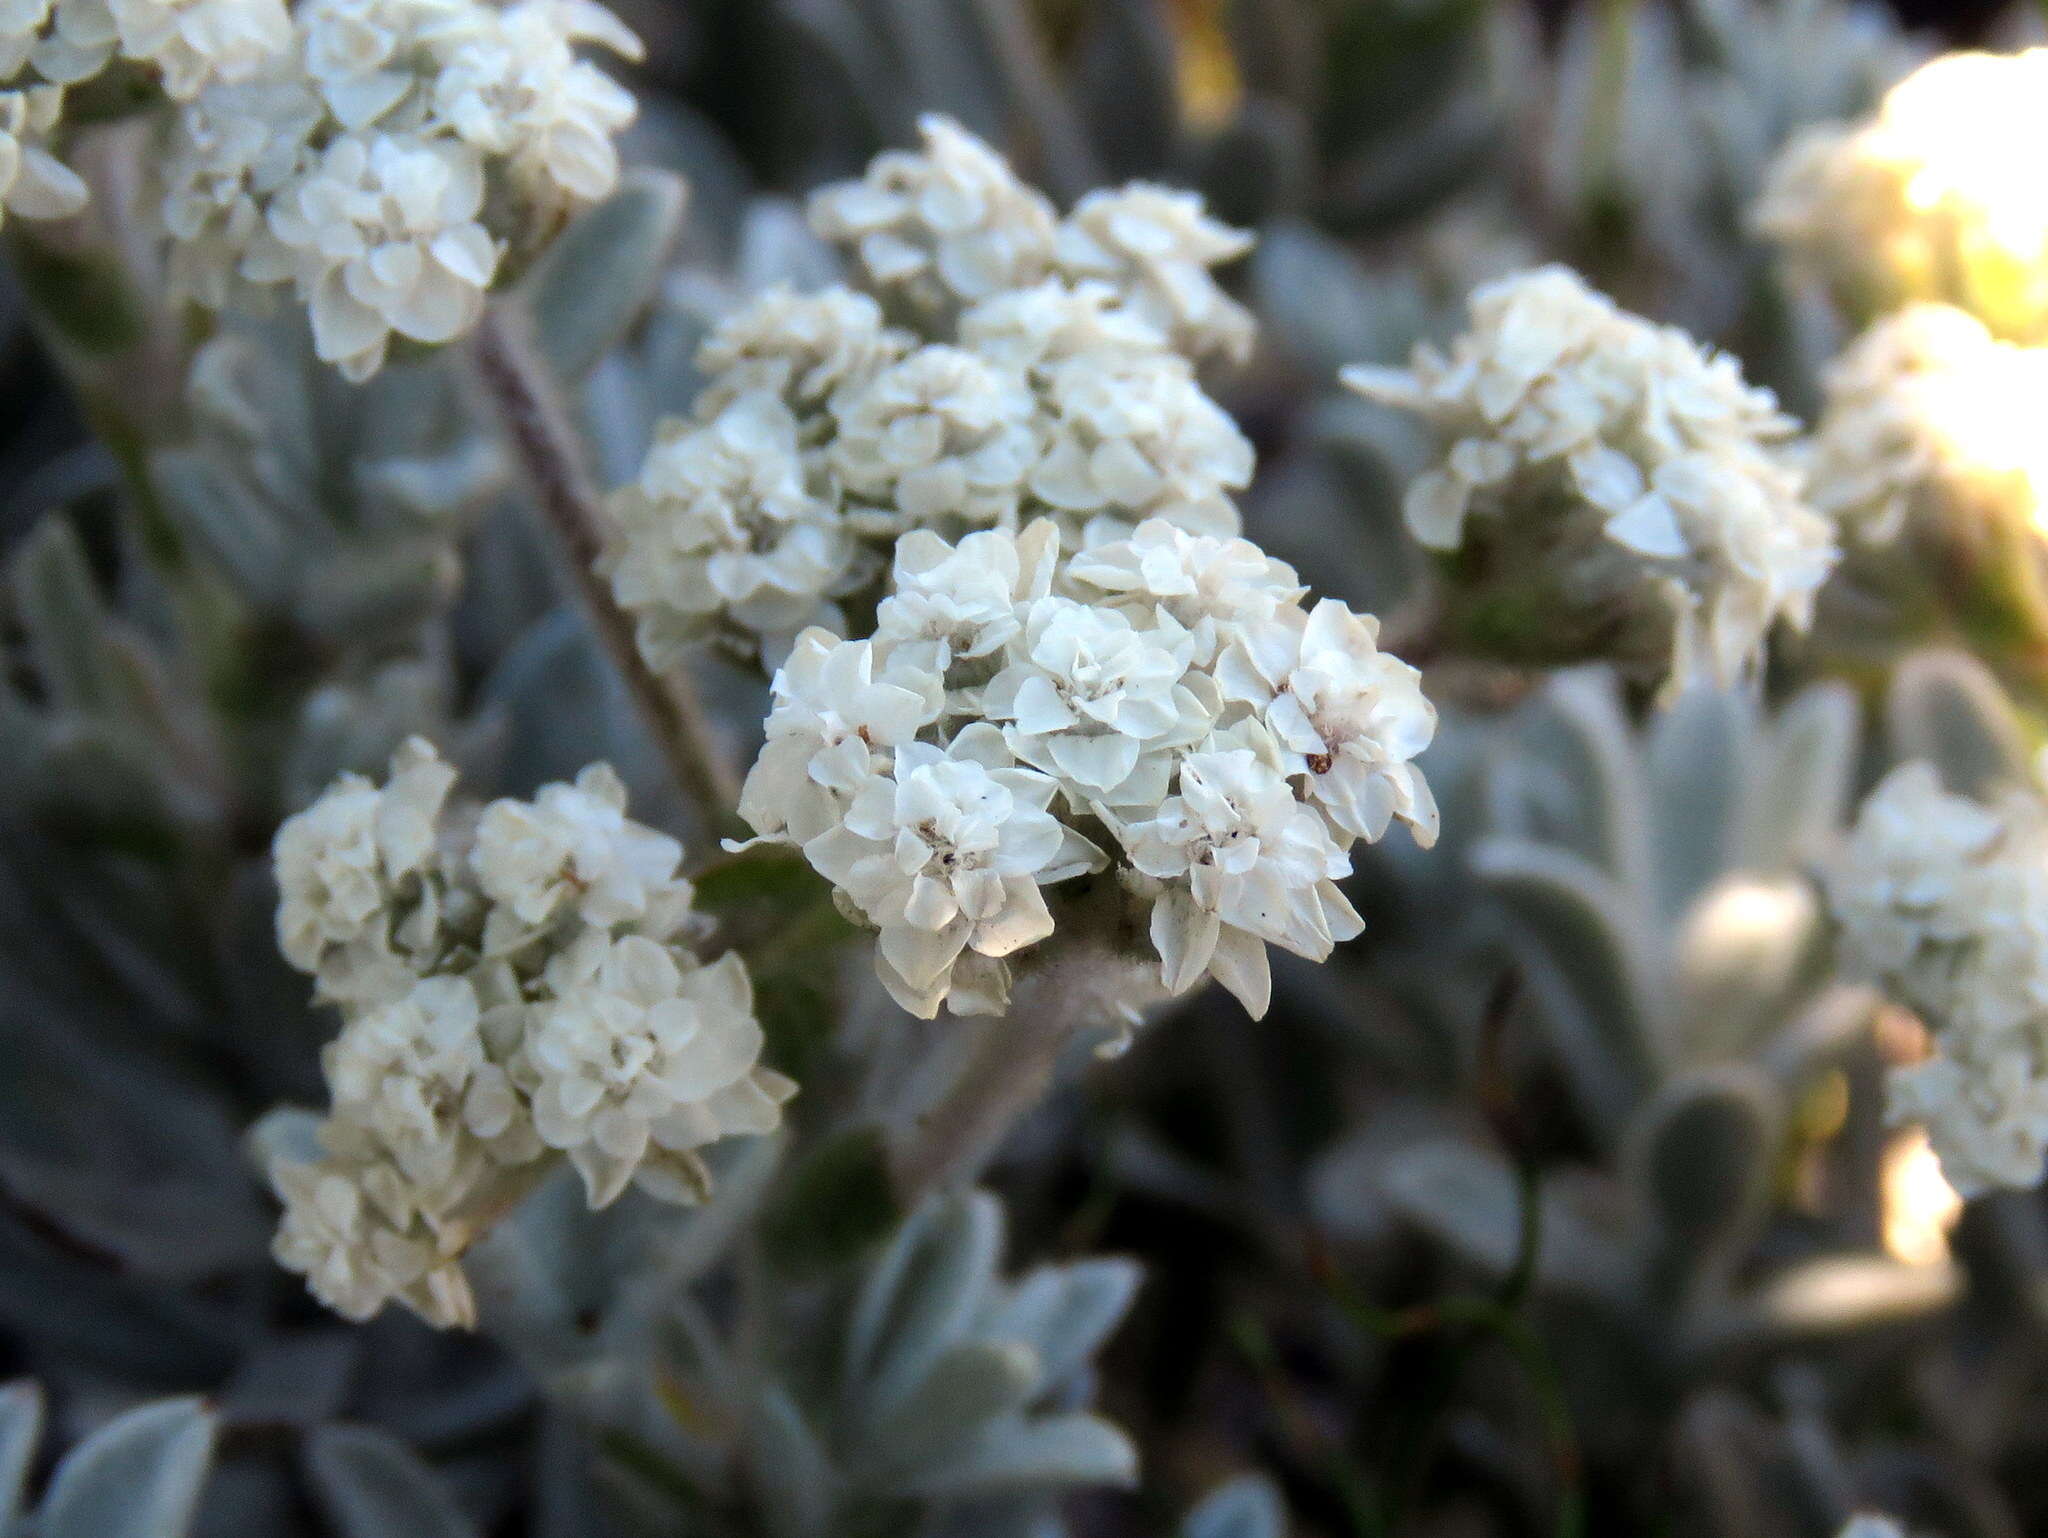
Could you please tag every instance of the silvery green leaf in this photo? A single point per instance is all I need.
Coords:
(1049, 1453)
(971, 1384)
(1799, 790)
(1247, 1507)
(1702, 1158)
(1594, 797)
(1695, 759)
(1064, 1313)
(789, 1470)
(922, 1296)
(1582, 946)
(21, 1427)
(1748, 955)
(1946, 707)
(1832, 1295)
(58, 604)
(592, 283)
(138, 1476)
(239, 530)
(1468, 1199)
(372, 1486)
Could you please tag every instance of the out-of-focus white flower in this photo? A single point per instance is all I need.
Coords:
(34, 184)
(722, 527)
(1929, 418)
(941, 437)
(1100, 703)
(386, 237)
(1156, 245)
(353, 872)
(351, 1230)
(947, 854)
(1635, 462)
(1242, 863)
(195, 42)
(1944, 900)
(636, 1051)
(835, 709)
(517, 89)
(1936, 197)
(802, 348)
(231, 152)
(572, 849)
(945, 226)
(1050, 322)
(1132, 434)
(1355, 717)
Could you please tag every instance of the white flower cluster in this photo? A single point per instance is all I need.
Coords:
(379, 162)
(1945, 901)
(1936, 197)
(1163, 704)
(515, 988)
(1047, 367)
(1933, 421)
(1623, 453)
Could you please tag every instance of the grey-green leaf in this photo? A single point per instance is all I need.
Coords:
(601, 272)
(21, 1425)
(138, 1476)
(1946, 707)
(1247, 1507)
(1056, 1452)
(372, 1486)
(971, 1384)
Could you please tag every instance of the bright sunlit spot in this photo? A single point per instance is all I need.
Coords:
(1920, 1206)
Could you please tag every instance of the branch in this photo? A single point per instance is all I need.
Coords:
(529, 407)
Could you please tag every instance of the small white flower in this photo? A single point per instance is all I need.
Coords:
(1244, 863)
(1050, 322)
(1355, 717)
(964, 603)
(1220, 590)
(946, 226)
(195, 42)
(353, 1232)
(940, 437)
(1985, 1110)
(1132, 434)
(233, 149)
(1100, 703)
(721, 527)
(348, 862)
(1157, 245)
(516, 89)
(835, 710)
(802, 348)
(573, 850)
(34, 184)
(635, 1052)
(947, 855)
(386, 236)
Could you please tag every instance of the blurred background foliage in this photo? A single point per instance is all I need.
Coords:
(1559, 1203)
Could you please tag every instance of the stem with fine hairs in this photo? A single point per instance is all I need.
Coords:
(536, 423)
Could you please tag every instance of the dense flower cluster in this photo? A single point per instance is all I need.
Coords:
(1936, 197)
(375, 155)
(1623, 457)
(1045, 367)
(379, 163)
(1164, 705)
(1945, 901)
(515, 988)
(1930, 419)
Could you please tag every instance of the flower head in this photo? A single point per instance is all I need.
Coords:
(1156, 244)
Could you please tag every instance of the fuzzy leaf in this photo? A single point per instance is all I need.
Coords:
(59, 606)
(791, 1475)
(970, 1385)
(21, 1427)
(1695, 760)
(372, 1486)
(1247, 1507)
(1052, 1453)
(138, 1476)
(1064, 1313)
(1796, 797)
(238, 530)
(1703, 1162)
(1946, 707)
(922, 1296)
(601, 272)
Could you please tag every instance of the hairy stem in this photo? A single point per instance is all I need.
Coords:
(1009, 1072)
(550, 452)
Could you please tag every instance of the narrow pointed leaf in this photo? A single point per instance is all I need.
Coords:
(138, 1476)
